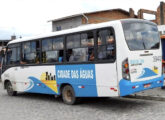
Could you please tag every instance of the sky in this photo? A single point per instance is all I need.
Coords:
(30, 17)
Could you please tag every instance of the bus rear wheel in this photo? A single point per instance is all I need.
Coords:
(10, 90)
(68, 95)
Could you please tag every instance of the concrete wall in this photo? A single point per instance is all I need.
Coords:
(67, 23)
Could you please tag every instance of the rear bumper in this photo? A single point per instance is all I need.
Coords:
(128, 87)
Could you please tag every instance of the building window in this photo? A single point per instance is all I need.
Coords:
(58, 28)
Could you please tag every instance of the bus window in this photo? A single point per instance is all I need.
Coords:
(141, 36)
(30, 52)
(87, 40)
(73, 41)
(80, 47)
(13, 54)
(106, 42)
(47, 44)
(58, 45)
(52, 50)
(72, 44)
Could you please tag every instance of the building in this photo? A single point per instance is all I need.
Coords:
(107, 15)
(89, 18)
(3, 43)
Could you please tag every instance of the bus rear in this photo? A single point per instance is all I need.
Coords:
(140, 61)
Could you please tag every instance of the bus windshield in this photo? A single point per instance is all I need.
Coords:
(141, 35)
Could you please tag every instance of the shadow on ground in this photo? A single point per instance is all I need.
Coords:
(118, 104)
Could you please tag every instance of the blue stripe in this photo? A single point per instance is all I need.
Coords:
(126, 85)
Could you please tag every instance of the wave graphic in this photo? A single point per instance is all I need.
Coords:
(31, 85)
(146, 72)
(37, 86)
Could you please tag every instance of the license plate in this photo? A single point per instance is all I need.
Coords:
(147, 85)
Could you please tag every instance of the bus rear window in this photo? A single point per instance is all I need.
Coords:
(141, 35)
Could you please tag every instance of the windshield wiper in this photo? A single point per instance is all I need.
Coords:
(143, 44)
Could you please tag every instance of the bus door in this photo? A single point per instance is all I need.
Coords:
(106, 72)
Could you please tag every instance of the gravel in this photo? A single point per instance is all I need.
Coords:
(45, 107)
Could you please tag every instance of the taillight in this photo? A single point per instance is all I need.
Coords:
(125, 69)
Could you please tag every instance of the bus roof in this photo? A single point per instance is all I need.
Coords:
(73, 30)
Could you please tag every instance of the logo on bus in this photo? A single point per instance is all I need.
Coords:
(75, 72)
(136, 62)
(157, 58)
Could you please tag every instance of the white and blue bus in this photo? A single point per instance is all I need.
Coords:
(115, 58)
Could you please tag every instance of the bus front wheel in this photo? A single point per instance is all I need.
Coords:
(10, 90)
(68, 95)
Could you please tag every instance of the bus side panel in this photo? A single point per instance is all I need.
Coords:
(106, 77)
(48, 79)
(36, 79)
(88, 80)
(81, 77)
(9, 75)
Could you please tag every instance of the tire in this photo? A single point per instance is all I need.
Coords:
(68, 95)
(10, 90)
(163, 87)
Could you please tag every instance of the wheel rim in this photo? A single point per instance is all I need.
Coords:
(68, 95)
